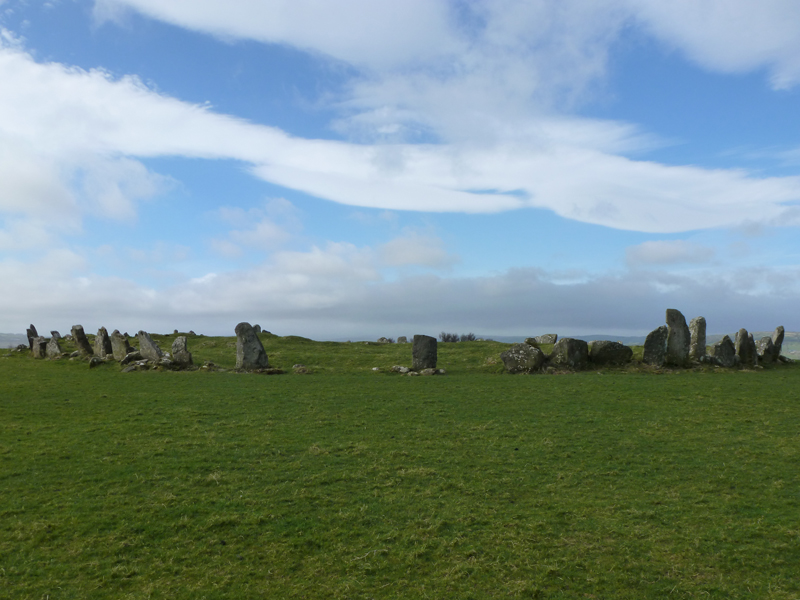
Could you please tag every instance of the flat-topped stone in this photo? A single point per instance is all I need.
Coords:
(424, 353)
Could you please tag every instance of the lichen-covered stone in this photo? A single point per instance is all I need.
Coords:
(424, 353)
(765, 349)
(678, 339)
(723, 353)
(570, 353)
(697, 343)
(523, 358)
(84, 347)
(605, 352)
(746, 349)
(102, 344)
(180, 352)
(120, 347)
(655, 347)
(39, 347)
(53, 349)
(547, 338)
(250, 353)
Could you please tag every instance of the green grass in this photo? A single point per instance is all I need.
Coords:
(352, 484)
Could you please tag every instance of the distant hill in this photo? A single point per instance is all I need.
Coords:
(10, 340)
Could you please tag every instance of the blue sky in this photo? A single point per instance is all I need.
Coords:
(365, 168)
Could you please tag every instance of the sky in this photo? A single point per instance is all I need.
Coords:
(367, 168)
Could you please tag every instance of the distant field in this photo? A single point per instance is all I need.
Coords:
(349, 483)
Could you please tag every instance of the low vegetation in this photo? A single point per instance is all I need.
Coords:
(351, 483)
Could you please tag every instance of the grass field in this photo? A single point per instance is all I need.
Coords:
(348, 483)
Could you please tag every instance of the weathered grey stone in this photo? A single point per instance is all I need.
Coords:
(383, 340)
(523, 358)
(697, 344)
(678, 339)
(723, 353)
(84, 347)
(604, 352)
(746, 349)
(655, 347)
(32, 335)
(39, 347)
(55, 334)
(777, 338)
(423, 353)
(131, 357)
(547, 338)
(148, 348)
(120, 347)
(765, 349)
(250, 354)
(532, 341)
(402, 340)
(257, 328)
(400, 369)
(95, 361)
(102, 344)
(571, 353)
(53, 349)
(180, 352)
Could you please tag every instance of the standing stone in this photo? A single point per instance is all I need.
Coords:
(746, 349)
(250, 353)
(39, 347)
(55, 334)
(765, 349)
(423, 353)
(723, 353)
(32, 335)
(102, 345)
(604, 352)
(777, 340)
(697, 345)
(571, 353)
(402, 340)
(655, 347)
(678, 339)
(547, 338)
(53, 349)
(148, 348)
(180, 352)
(257, 328)
(522, 358)
(120, 347)
(84, 347)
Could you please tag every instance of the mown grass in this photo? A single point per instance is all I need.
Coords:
(354, 484)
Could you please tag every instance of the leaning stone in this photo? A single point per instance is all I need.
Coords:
(678, 339)
(102, 345)
(131, 357)
(746, 349)
(53, 349)
(766, 350)
(81, 340)
(180, 352)
(571, 353)
(120, 347)
(777, 340)
(55, 334)
(250, 354)
(547, 338)
(423, 353)
(39, 347)
(697, 333)
(402, 340)
(76, 354)
(257, 328)
(148, 347)
(604, 352)
(32, 335)
(523, 358)
(655, 347)
(723, 353)
(532, 341)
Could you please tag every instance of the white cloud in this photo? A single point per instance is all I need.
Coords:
(663, 252)
(416, 250)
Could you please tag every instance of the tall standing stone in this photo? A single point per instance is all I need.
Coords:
(697, 332)
(180, 352)
(102, 345)
(765, 349)
(39, 347)
(678, 339)
(32, 335)
(120, 347)
(53, 349)
(250, 352)
(655, 347)
(746, 349)
(84, 347)
(147, 347)
(423, 353)
(777, 340)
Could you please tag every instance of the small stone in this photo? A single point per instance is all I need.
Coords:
(402, 340)
(547, 338)
(428, 372)
(95, 362)
(400, 369)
